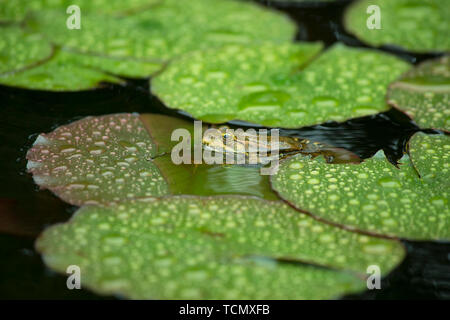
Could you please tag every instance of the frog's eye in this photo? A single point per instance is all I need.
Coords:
(225, 137)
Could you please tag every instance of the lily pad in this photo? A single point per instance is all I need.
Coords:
(282, 85)
(419, 26)
(137, 45)
(424, 94)
(50, 164)
(63, 72)
(20, 50)
(374, 196)
(97, 160)
(123, 67)
(169, 29)
(212, 248)
(18, 9)
(430, 156)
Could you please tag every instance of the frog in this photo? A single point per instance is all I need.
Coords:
(263, 149)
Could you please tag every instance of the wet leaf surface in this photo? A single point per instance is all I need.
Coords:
(430, 156)
(122, 156)
(18, 9)
(20, 50)
(424, 94)
(61, 73)
(134, 45)
(374, 196)
(289, 85)
(97, 160)
(419, 26)
(169, 29)
(212, 248)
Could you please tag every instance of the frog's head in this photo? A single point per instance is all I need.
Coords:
(216, 139)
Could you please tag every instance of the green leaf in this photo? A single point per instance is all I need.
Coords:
(212, 248)
(419, 26)
(97, 160)
(430, 156)
(283, 85)
(204, 24)
(61, 73)
(135, 46)
(169, 29)
(100, 35)
(20, 50)
(17, 10)
(424, 93)
(125, 67)
(374, 196)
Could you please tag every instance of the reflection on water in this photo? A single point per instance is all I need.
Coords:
(232, 179)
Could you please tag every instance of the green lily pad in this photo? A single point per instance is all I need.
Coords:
(374, 196)
(212, 248)
(204, 24)
(424, 94)
(419, 26)
(169, 29)
(124, 67)
(20, 50)
(138, 45)
(17, 10)
(61, 73)
(97, 160)
(430, 156)
(282, 85)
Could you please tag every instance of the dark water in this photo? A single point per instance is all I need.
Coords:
(425, 273)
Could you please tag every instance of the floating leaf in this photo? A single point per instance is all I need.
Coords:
(205, 24)
(97, 160)
(111, 36)
(125, 67)
(374, 196)
(284, 85)
(58, 170)
(61, 73)
(136, 45)
(418, 26)
(20, 50)
(212, 248)
(424, 93)
(169, 29)
(430, 156)
(17, 10)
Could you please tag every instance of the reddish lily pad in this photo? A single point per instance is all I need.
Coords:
(97, 160)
